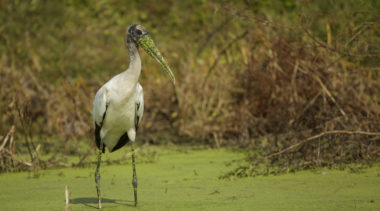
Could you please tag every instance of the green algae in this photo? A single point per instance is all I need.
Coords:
(188, 180)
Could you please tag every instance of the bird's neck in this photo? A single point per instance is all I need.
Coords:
(134, 69)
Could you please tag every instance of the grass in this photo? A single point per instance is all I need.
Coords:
(188, 180)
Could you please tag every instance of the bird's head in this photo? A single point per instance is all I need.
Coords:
(136, 31)
(140, 36)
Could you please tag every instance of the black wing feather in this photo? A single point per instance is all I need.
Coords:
(97, 131)
(122, 141)
(137, 117)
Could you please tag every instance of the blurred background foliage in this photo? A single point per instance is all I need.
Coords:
(259, 75)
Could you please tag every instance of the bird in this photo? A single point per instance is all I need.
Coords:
(119, 103)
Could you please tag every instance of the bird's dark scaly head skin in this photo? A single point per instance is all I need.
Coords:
(139, 35)
(135, 32)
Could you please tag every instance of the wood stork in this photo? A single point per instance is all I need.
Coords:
(119, 104)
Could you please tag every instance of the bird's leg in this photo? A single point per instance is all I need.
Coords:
(134, 180)
(97, 174)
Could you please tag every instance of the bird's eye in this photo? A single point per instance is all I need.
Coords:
(139, 32)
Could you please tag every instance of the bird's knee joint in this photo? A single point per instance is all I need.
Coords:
(97, 177)
(134, 182)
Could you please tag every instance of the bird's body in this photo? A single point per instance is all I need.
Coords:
(119, 103)
(121, 99)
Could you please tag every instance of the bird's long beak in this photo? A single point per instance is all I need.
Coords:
(150, 48)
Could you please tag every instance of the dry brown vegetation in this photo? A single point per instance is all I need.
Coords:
(262, 80)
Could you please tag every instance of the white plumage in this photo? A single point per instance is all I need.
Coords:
(122, 100)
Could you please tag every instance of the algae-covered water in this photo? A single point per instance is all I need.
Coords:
(188, 180)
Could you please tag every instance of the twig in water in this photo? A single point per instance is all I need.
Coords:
(67, 198)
